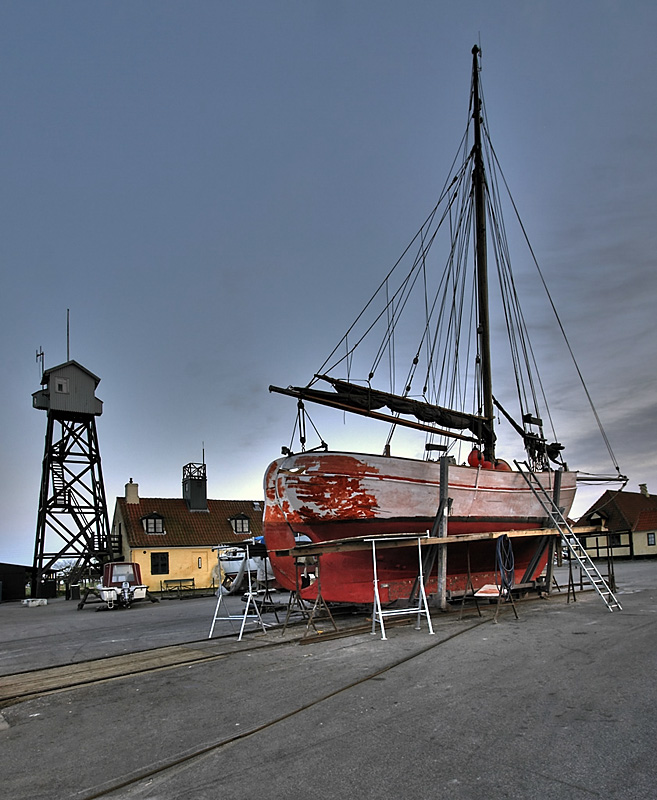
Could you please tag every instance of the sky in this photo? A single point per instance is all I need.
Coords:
(213, 189)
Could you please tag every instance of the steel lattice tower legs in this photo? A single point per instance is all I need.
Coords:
(72, 521)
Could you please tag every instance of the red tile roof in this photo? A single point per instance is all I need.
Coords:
(185, 528)
(647, 521)
(622, 509)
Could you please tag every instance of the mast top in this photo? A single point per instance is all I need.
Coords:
(481, 265)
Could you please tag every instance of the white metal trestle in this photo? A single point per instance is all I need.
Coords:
(246, 616)
(422, 607)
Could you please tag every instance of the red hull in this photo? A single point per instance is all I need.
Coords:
(331, 496)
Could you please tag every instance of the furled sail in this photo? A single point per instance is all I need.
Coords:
(365, 400)
(371, 399)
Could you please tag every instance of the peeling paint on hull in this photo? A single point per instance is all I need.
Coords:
(329, 496)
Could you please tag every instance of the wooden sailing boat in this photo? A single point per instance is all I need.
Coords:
(338, 499)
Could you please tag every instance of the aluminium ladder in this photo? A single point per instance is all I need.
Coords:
(569, 538)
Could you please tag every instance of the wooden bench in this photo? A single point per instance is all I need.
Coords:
(178, 586)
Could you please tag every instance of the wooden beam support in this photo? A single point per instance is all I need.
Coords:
(398, 540)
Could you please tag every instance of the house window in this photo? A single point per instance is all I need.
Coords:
(153, 524)
(651, 539)
(61, 385)
(614, 540)
(159, 563)
(240, 524)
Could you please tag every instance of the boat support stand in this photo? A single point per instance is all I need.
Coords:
(246, 616)
(319, 608)
(422, 608)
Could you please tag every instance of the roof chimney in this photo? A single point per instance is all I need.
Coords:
(194, 484)
(132, 492)
(644, 489)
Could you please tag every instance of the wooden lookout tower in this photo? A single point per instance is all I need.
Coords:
(72, 521)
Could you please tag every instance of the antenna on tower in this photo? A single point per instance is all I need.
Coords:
(68, 338)
(203, 450)
(40, 355)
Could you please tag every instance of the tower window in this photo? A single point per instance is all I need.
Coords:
(61, 385)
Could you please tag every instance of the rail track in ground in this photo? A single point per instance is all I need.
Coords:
(23, 686)
(172, 765)
(26, 686)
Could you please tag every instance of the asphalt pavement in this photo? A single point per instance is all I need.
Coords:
(557, 704)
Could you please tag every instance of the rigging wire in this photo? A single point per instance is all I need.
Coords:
(561, 328)
(526, 372)
(449, 305)
(324, 367)
(300, 425)
(521, 347)
(404, 292)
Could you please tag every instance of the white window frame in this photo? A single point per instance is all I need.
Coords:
(241, 524)
(153, 525)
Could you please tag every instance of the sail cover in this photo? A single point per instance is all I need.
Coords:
(367, 399)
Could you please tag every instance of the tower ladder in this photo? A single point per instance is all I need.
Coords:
(58, 483)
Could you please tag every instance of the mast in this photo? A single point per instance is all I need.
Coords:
(483, 331)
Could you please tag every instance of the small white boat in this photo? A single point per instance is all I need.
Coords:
(121, 584)
(232, 561)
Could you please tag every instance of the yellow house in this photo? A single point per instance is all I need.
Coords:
(645, 534)
(176, 539)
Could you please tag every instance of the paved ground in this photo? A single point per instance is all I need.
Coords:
(558, 704)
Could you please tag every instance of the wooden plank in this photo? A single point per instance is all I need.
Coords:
(406, 539)
(87, 672)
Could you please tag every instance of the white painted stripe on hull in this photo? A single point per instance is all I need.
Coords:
(339, 486)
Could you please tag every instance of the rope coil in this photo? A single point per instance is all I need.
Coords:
(504, 565)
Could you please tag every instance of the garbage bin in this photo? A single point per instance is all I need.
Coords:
(75, 591)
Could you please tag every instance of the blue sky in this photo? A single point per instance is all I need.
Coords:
(214, 188)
